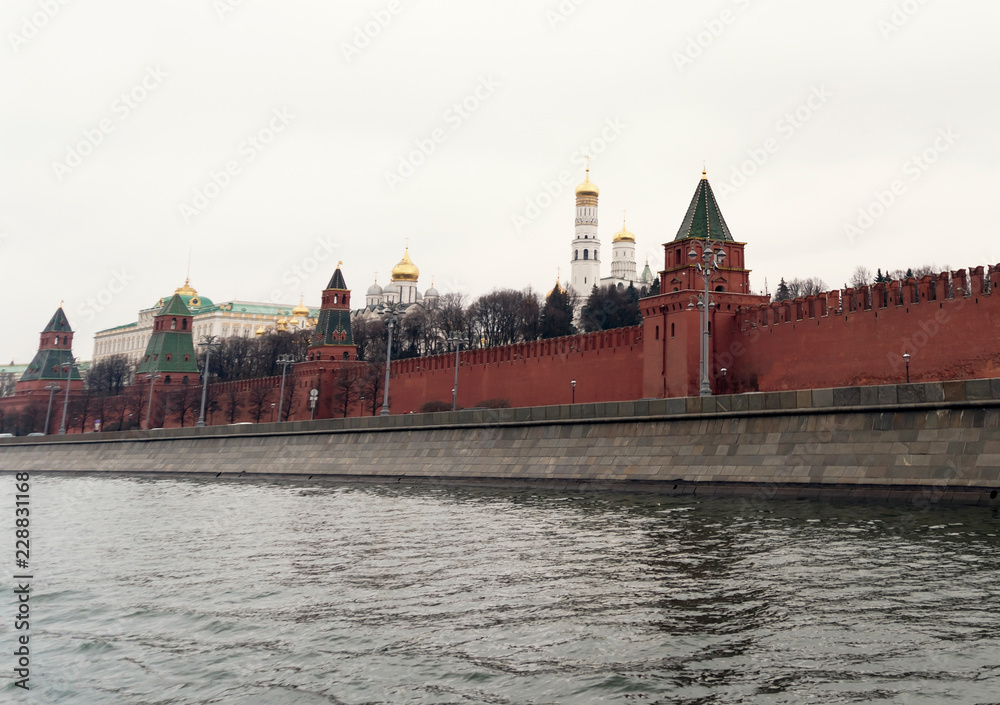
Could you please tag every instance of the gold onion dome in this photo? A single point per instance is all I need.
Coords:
(405, 271)
(301, 309)
(588, 187)
(624, 235)
(260, 331)
(558, 287)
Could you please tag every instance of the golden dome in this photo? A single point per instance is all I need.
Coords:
(186, 290)
(260, 331)
(300, 310)
(405, 271)
(624, 235)
(558, 286)
(293, 321)
(588, 187)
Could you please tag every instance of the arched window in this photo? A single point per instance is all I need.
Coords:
(576, 254)
(345, 356)
(720, 288)
(173, 324)
(184, 324)
(166, 380)
(168, 357)
(671, 330)
(586, 254)
(65, 340)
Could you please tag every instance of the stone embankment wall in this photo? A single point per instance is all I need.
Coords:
(939, 442)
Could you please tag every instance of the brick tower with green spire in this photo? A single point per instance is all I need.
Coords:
(170, 351)
(52, 361)
(672, 331)
(331, 350)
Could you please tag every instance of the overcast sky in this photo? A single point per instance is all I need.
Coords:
(271, 139)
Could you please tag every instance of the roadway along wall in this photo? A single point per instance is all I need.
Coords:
(937, 441)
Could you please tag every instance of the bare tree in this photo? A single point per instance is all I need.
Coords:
(232, 403)
(372, 384)
(346, 389)
(862, 277)
(496, 316)
(185, 403)
(259, 399)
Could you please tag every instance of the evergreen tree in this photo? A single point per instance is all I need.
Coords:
(909, 274)
(557, 315)
(879, 278)
(782, 294)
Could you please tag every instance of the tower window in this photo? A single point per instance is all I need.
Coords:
(671, 330)
(173, 324)
(184, 324)
(576, 254)
(586, 254)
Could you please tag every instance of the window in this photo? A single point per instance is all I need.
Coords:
(576, 254)
(184, 324)
(187, 358)
(586, 254)
(168, 357)
(671, 330)
(657, 332)
(345, 356)
(173, 324)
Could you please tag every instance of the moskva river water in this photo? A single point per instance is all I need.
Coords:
(199, 591)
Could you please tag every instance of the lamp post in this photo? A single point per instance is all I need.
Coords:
(391, 313)
(69, 376)
(207, 342)
(149, 406)
(284, 361)
(723, 371)
(906, 359)
(52, 389)
(711, 260)
(361, 406)
(458, 340)
(272, 412)
(573, 385)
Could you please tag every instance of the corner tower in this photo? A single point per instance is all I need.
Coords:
(585, 262)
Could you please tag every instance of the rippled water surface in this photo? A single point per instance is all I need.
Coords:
(186, 591)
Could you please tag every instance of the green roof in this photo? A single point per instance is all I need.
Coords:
(58, 323)
(703, 219)
(337, 281)
(50, 365)
(175, 307)
(333, 328)
(121, 327)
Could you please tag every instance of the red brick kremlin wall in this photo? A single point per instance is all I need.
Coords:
(858, 336)
(606, 365)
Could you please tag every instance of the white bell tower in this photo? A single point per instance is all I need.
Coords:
(585, 259)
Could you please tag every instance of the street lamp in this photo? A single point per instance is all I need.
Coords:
(711, 260)
(906, 359)
(361, 406)
(149, 407)
(391, 314)
(573, 385)
(723, 371)
(69, 375)
(52, 389)
(458, 340)
(208, 342)
(284, 361)
(272, 412)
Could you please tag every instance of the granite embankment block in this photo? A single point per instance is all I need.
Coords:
(861, 438)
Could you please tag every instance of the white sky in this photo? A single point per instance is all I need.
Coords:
(218, 72)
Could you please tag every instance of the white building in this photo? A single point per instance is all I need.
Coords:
(232, 318)
(402, 288)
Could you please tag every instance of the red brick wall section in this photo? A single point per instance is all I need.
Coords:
(607, 366)
(793, 345)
